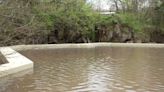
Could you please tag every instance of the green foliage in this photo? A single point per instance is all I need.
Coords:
(70, 15)
(132, 20)
(110, 19)
(27, 21)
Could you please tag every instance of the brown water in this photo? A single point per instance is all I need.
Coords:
(92, 70)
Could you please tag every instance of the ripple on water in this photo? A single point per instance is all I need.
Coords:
(86, 70)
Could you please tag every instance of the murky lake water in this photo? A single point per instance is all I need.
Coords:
(92, 70)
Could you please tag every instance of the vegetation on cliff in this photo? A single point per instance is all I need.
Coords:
(75, 21)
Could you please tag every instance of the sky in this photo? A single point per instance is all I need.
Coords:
(108, 4)
(103, 4)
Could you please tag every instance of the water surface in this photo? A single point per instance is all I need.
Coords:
(101, 69)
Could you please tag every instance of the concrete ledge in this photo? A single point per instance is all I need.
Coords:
(87, 45)
(16, 62)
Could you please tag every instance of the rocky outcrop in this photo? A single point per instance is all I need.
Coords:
(115, 33)
(67, 36)
(157, 36)
(2, 59)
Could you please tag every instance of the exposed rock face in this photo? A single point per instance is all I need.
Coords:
(117, 33)
(103, 34)
(157, 36)
(2, 59)
(67, 36)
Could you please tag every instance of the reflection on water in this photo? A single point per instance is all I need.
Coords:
(92, 70)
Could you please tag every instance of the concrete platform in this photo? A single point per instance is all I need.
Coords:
(16, 62)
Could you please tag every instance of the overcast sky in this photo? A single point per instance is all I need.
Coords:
(108, 4)
(103, 4)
